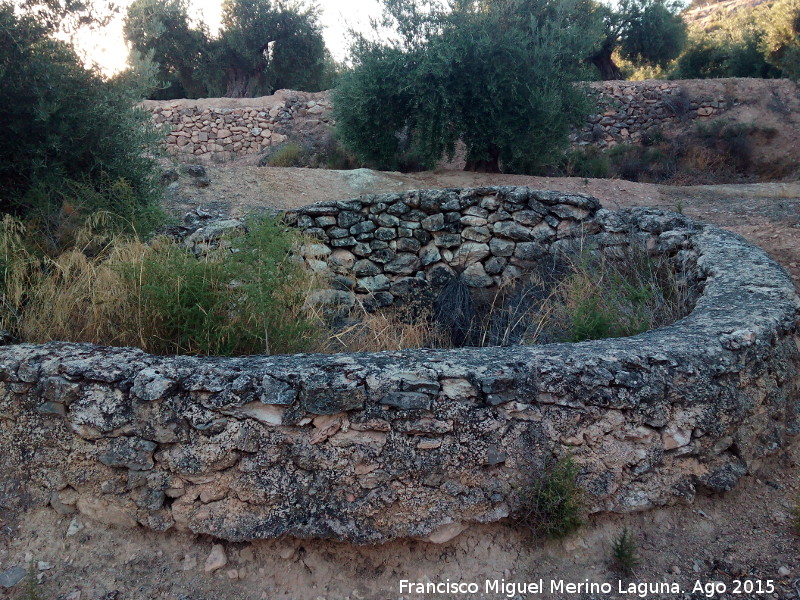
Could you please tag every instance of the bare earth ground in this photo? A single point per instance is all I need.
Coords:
(744, 534)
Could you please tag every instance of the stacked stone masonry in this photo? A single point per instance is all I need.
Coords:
(419, 443)
(225, 132)
(626, 111)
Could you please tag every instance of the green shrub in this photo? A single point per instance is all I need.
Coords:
(554, 505)
(624, 552)
(247, 297)
(497, 75)
(606, 298)
(286, 155)
(588, 161)
(68, 136)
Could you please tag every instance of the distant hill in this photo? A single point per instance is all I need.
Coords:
(703, 16)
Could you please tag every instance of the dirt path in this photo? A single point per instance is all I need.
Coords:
(744, 534)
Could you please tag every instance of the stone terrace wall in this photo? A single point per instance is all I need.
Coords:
(627, 110)
(394, 246)
(371, 447)
(225, 128)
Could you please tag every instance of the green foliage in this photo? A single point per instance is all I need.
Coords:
(645, 33)
(309, 151)
(497, 75)
(246, 300)
(67, 133)
(624, 552)
(781, 41)
(160, 35)
(652, 32)
(267, 47)
(247, 297)
(262, 46)
(553, 506)
(732, 49)
(286, 155)
(607, 298)
(588, 161)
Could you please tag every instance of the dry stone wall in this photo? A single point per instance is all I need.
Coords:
(221, 129)
(218, 129)
(628, 110)
(419, 443)
(391, 247)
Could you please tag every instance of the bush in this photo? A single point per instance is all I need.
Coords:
(245, 298)
(553, 506)
(69, 138)
(285, 155)
(588, 161)
(624, 552)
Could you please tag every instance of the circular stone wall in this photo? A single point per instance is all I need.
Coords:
(371, 447)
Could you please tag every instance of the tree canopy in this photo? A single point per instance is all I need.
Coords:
(644, 32)
(64, 126)
(497, 74)
(261, 47)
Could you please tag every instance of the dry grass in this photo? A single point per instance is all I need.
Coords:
(382, 330)
(118, 290)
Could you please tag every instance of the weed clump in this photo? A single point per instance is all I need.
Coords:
(244, 298)
(554, 505)
(572, 299)
(624, 552)
(795, 512)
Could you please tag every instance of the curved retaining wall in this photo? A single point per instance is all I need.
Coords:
(371, 447)
(389, 248)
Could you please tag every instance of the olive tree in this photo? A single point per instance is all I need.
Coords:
(780, 43)
(64, 128)
(499, 75)
(645, 32)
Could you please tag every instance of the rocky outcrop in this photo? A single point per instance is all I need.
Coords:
(420, 443)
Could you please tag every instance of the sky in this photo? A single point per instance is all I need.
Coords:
(107, 48)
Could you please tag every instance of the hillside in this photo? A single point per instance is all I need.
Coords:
(705, 16)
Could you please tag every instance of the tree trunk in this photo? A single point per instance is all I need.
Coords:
(237, 83)
(605, 64)
(490, 165)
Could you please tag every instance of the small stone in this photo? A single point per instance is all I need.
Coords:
(232, 574)
(475, 276)
(470, 252)
(434, 222)
(75, 526)
(403, 264)
(429, 254)
(675, 570)
(365, 268)
(784, 571)
(11, 577)
(43, 565)
(216, 559)
(500, 247)
(189, 562)
(247, 555)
